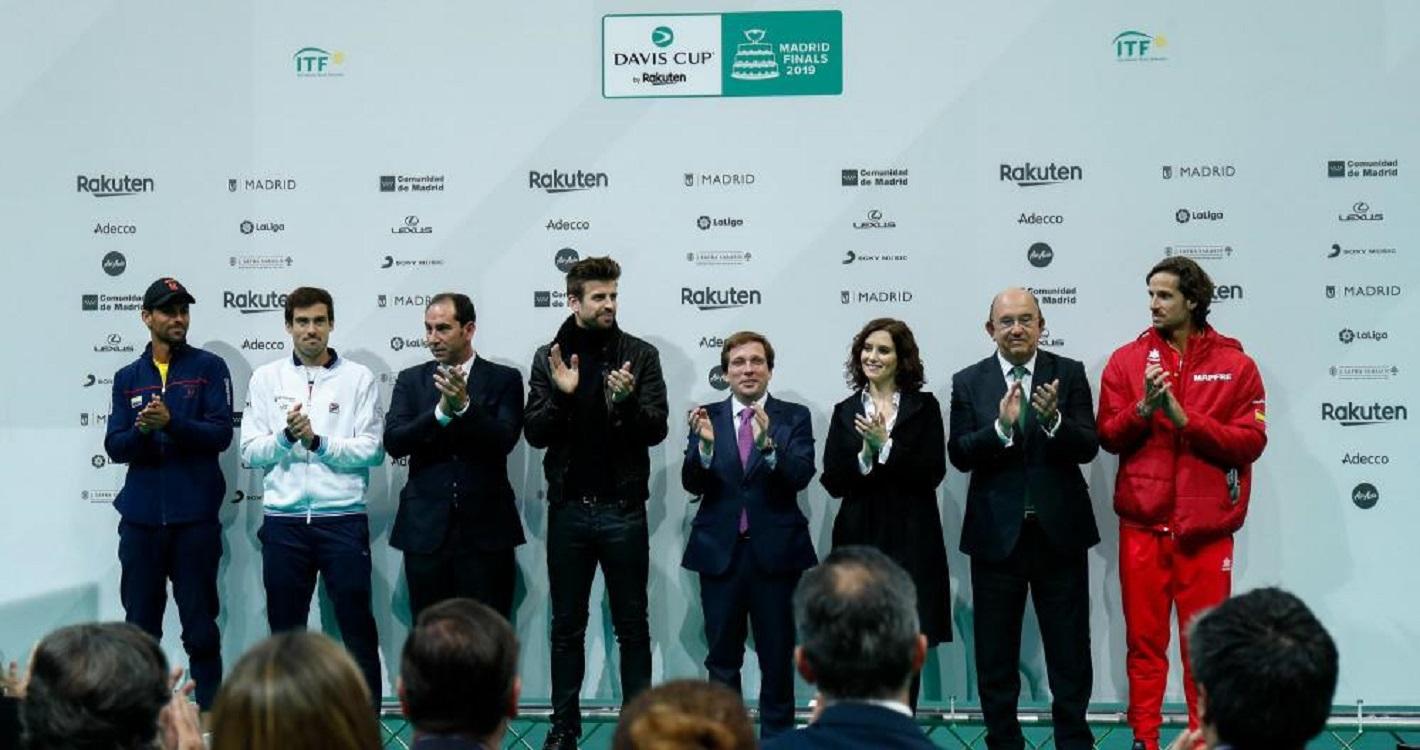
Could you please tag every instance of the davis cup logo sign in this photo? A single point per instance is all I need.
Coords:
(779, 53)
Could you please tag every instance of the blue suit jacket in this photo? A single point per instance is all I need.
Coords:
(855, 726)
(778, 531)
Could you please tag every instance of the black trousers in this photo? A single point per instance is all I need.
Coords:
(460, 570)
(745, 598)
(188, 554)
(293, 551)
(579, 538)
(1059, 585)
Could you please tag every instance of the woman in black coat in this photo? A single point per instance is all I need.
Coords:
(885, 455)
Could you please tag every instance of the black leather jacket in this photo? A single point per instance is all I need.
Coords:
(636, 424)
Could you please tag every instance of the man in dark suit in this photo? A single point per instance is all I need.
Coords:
(1028, 517)
(861, 645)
(457, 417)
(747, 458)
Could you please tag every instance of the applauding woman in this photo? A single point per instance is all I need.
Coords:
(886, 453)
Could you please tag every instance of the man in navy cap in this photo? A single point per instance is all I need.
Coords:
(171, 419)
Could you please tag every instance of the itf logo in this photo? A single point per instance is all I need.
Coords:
(1136, 46)
(314, 62)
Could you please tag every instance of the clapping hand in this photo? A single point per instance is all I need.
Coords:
(153, 416)
(453, 384)
(300, 425)
(620, 383)
(564, 375)
(873, 430)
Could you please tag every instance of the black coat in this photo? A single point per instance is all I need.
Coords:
(1049, 466)
(457, 472)
(894, 506)
(636, 423)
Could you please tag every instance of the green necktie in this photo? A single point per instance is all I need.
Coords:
(1019, 373)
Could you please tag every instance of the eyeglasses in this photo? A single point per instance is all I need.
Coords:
(1026, 321)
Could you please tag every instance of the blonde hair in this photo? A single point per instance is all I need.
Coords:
(295, 691)
(685, 715)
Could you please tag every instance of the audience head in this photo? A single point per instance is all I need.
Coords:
(99, 685)
(685, 715)
(858, 631)
(459, 670)
(1265, 669)
(294, 691)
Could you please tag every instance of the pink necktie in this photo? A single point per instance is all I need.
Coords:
(746, 440)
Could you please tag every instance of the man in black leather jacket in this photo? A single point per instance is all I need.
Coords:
(597, 403)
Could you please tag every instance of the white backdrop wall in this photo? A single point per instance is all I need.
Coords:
(1246, 104)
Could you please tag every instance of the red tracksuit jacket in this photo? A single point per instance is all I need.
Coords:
(1193, 482)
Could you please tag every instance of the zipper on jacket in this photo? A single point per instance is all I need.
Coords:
(310, 394)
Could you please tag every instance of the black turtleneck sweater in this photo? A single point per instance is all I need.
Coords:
(589, 471)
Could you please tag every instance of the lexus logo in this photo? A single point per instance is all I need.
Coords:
(411, 221)
(115, 339)
(1362, 207)
(875, 215)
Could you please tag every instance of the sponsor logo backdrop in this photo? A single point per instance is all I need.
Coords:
(1057, 147)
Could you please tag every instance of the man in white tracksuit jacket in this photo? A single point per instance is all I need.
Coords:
(312, 424)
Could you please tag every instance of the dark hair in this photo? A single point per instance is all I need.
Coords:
(740, 338)
(297, 691)
(911, 373)
(591, 269)
(98, 685)
(463, 306)
(1193, 284)
(685, 715)
(459, 666)
(857, 617)
(305, 296)
(1268, 667)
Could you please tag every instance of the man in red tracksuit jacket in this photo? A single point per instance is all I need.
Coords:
(1184, 409)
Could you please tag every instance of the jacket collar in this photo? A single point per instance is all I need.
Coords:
(334, 357)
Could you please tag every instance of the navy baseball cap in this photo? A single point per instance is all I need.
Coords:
(165, 291)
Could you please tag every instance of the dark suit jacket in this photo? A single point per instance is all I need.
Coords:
(457, 472)
(855, 726)
(1049, 466)
(778, 530)
(894, 506)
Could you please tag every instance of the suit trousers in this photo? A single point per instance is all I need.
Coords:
(1058, 584)
(293, 551)
(457, 570)
(744, 595)
(581, 536)
(1157, 574)
(188, 554)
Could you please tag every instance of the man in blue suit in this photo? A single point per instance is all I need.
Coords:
(747, 458)
(861, 645)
